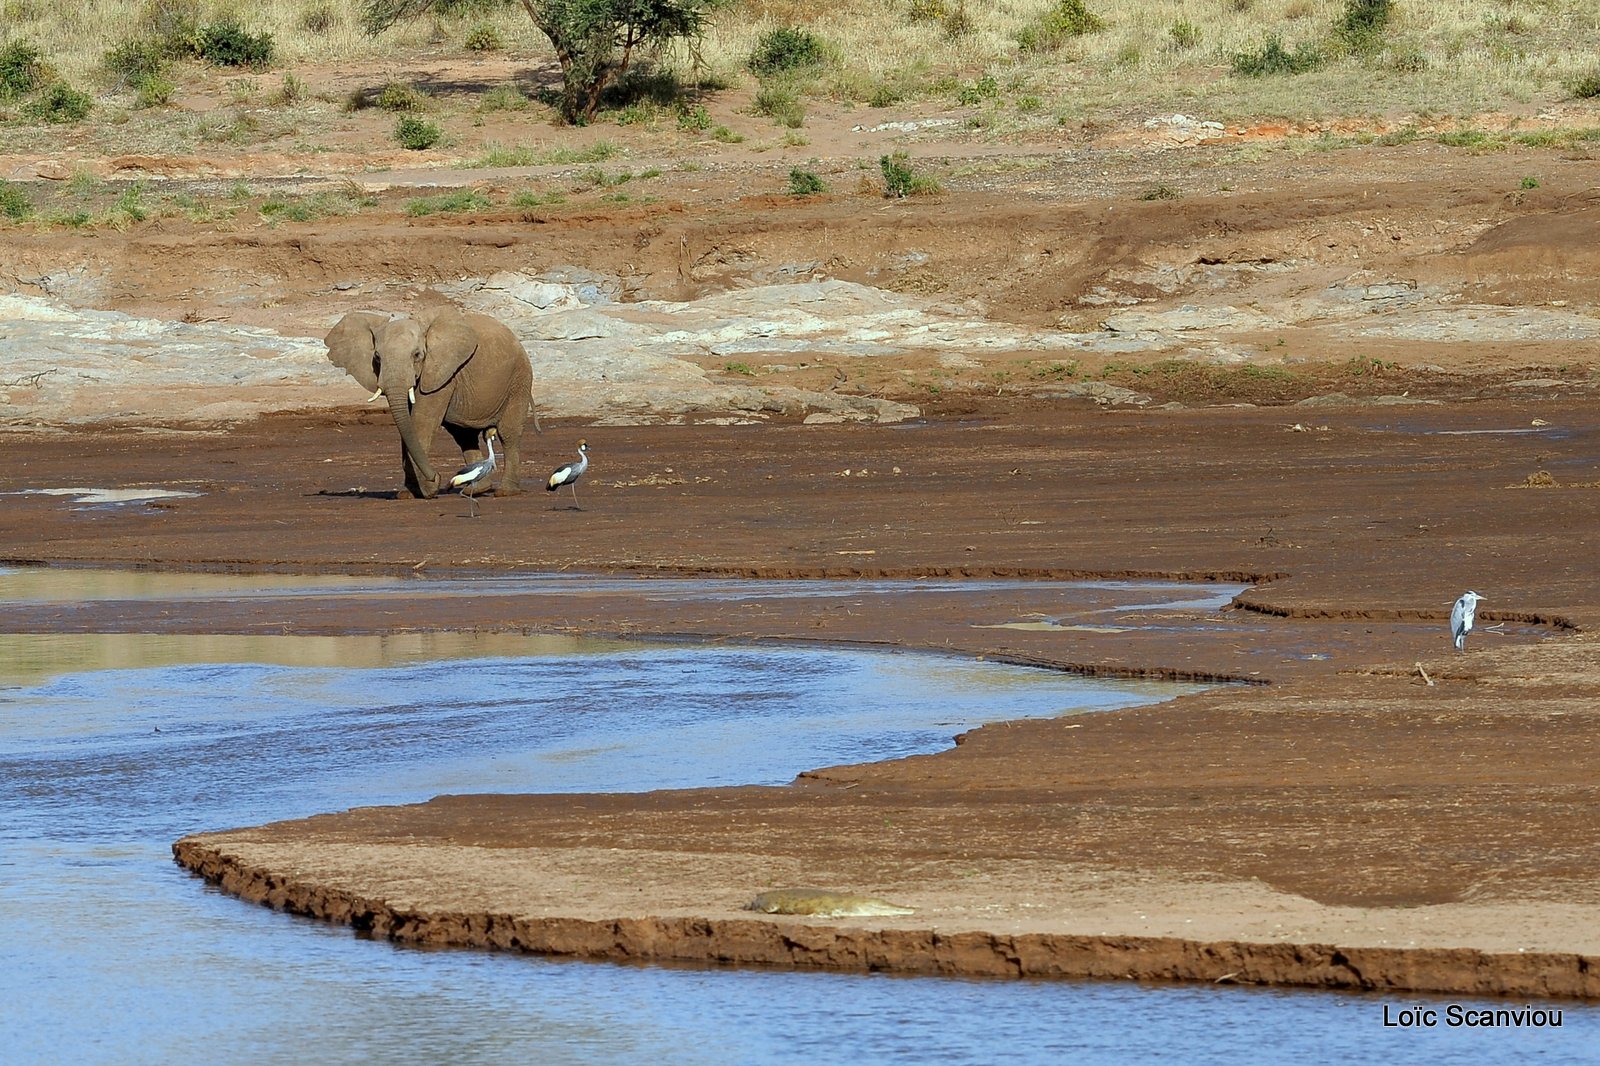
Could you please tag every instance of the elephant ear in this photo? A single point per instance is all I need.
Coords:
(450, 342)
(352, 346)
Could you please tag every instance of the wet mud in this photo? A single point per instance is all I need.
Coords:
(1442, 835)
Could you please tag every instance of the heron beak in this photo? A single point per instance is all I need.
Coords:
(375, 395)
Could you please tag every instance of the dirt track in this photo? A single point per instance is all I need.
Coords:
(1344, 803)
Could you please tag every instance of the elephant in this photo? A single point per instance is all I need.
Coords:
(440, 366)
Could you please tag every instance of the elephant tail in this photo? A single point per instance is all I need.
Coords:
(533, 409)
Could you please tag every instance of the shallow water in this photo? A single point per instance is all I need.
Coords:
(110, 953)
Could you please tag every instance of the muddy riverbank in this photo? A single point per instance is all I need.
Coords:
(1344, 803)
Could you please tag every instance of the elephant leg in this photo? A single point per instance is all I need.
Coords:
(511, 462)
(467, 439)
(426, 416)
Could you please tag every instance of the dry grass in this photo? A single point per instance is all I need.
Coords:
(1439, 56)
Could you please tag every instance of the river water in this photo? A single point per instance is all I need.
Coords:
(112, 746)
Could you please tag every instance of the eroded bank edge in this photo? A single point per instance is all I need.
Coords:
(796, 945)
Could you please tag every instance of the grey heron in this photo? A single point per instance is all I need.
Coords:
(1461, 618)
(478, 473)
(569, 474)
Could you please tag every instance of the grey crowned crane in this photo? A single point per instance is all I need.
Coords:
(474, 474)
(569, 474)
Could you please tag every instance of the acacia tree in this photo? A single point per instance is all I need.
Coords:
(595, 40)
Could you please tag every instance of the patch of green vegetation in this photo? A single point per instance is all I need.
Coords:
(448, 203)
(1586, 86)
(226, 43)
(694, 119)
(900, 181)
(228, 128)
(726, 136)
(137, 63)
(22, 69)
(484, 37)
(417, 134)
(129, 207)
(281, 208)
(290, 91)
(786, 50)
(780, 101)
(805, 183)
(985, 88)
(1529, 182)
(1184, 34)
(1066, 20)
(397, 96)
(1367, 366)
(505, 97)
(1364, 24)
(1467, 139)
(59, 104)
(1403, 135)
(14, 202)
(1274, 59)
(1161, 192)
(739, 368)
(532, 198)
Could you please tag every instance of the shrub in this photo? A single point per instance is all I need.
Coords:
(787, 49)
(174, 25)
(21, 70)
(154, 91)
(484, 38)
(1273, 59)
(805, 183)
(14, 202)
(225, 43)
(985, 88)
(781, 103)
(416, 134)
(928, 10)
(291, 91)
(694, 119)
(1160, 192)
(1586, 86)
(130, 206)
(1068, 19)
(1363, 23)
(398, 96)
(60, 103)
(1184, 34)
(900, 181)
(1529, 183)
(135, 61)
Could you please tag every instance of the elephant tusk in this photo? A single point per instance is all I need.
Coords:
(411, 396)
(374, 396)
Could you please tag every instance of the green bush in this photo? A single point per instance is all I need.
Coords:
(694, 119)
(1363, 24)
(1586, 86)
(14, 202)
(805, 183)
(985, 88)
(398, 96)
(787, 49)
(1068, 19)
(1529, 183)
(226, 43)
(1184, 34)
(174, 25)
(154, 91)
(484, 38)
(417, 134)
(59, 103)
(900, 181)
(135, 60)
(21, 70)
(1273, 59)
(781, 103)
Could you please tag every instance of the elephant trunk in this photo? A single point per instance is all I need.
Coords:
(416, 447)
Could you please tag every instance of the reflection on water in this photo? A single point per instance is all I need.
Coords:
(109, 751)
(70, 584)
(28, 658)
